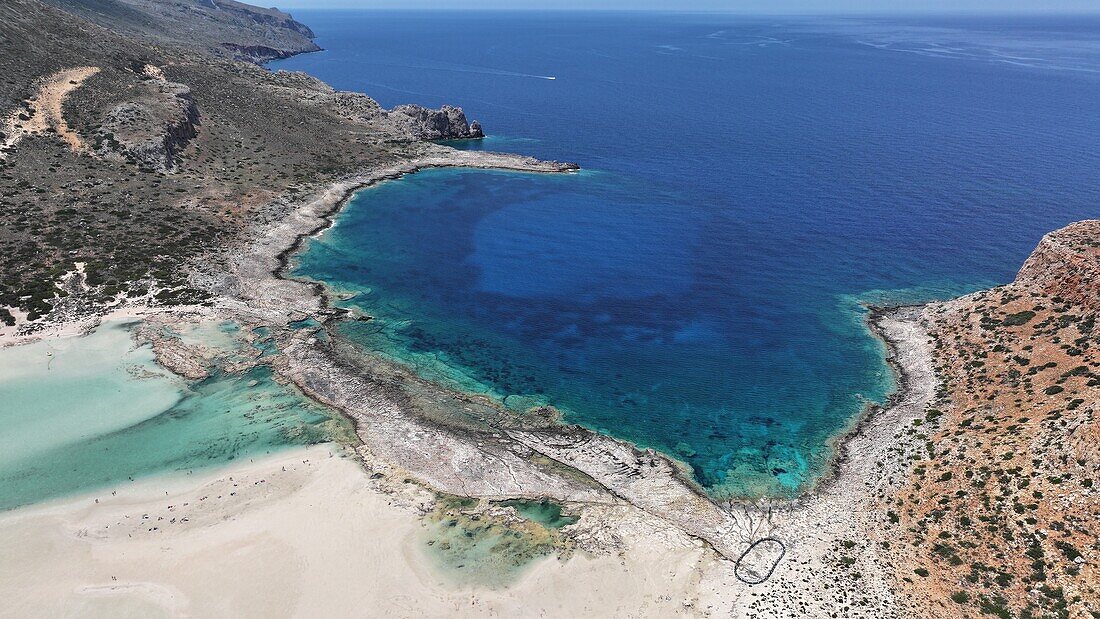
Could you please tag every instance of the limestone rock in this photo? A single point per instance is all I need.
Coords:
(446, 123)
(1066, 264)
(150, 130)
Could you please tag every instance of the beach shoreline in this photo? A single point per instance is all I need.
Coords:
(315, 535)
(861, 422)
(705, 583)
(835, 554)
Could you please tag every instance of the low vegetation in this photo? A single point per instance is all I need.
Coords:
(1000, 518)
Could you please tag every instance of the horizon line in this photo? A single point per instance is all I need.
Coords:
(746, 13)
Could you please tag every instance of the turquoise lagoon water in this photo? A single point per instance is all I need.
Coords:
(547, 513)
(94, 411)
(747, 181)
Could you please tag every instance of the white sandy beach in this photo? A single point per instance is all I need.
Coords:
(315, 539)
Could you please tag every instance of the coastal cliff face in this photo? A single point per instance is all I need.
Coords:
(221, 27)
(410, 122)
(1001, 514)
(1066, 264)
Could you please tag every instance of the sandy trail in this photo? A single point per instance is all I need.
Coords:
(45, 109)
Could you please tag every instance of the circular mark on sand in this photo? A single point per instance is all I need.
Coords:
(759, 560)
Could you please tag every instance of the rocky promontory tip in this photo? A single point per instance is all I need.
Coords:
(408, 121)
(446, 123)
(1066, 264)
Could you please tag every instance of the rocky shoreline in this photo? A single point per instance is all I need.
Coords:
(489, 455)
(875, 321)
(257, 271)
(468, 446)
(460, 460)
(833, 553)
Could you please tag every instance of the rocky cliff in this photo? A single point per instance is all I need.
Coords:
(446, 123)
(222, 27)
(413, 122)
(1066, 264)
(999, 516)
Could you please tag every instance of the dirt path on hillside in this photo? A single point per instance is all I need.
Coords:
(44, 110)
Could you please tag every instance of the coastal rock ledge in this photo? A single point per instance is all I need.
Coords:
(402, 122)
(446, 123)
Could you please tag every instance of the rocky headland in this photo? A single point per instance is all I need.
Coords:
(141, 159)
(999, 514)
(220, 27)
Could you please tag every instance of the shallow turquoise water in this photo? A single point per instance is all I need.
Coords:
(93, 412)
(59, 392)
(545, 512)
(459, 293)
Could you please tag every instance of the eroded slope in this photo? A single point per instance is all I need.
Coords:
(1001, 514)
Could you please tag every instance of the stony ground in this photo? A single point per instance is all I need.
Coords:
(1001, 514)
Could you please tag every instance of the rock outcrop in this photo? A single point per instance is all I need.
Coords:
(415, 122)
(303, 87)
(1066, 264)
(150, 130)
(446, 123)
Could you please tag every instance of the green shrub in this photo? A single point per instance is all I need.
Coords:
(1019, 318)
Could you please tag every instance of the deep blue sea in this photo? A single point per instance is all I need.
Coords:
(747, 182)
